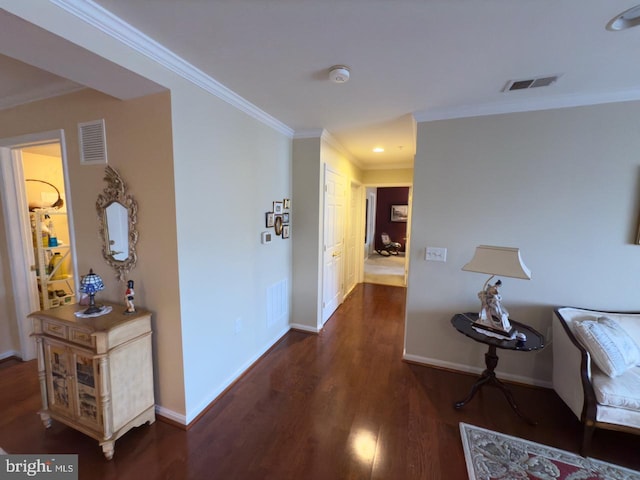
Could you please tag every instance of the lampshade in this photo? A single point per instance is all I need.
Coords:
(502, 261)
(91, 283)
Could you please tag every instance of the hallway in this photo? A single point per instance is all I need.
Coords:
(337, 405)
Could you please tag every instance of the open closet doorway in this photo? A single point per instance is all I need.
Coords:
(38, 227)
(388, 223)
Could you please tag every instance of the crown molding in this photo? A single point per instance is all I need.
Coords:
(310, 133)
(333, 141)
(390, 166)
(115, 27)
(324, 137)
(528, 105)
(335, 144)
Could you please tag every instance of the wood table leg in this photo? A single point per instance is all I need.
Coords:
(489, 377)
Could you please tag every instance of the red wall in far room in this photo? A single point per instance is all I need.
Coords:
(385, 197)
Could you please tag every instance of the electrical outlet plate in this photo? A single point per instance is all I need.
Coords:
(436, 254)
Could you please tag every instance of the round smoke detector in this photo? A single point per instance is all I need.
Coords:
(339, 74)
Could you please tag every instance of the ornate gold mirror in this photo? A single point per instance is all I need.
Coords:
(117, 218)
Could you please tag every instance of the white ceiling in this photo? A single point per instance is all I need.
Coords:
(426, 59)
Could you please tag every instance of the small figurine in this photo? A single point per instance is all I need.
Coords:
(493, 314)
(128, 298)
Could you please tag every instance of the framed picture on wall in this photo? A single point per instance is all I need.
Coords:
(399, 213)
(269, 219)
(277, 208)
(285, 231)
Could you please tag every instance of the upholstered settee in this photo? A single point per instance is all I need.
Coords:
(596, 368)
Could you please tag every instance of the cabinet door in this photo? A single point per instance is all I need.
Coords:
(87, 388)
(59, 378)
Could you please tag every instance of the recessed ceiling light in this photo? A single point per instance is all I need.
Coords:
(627, 19)
(378, 150)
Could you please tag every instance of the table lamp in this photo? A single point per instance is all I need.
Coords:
(502, 261)
(90, 284)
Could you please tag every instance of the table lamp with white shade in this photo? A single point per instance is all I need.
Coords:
(502, 261)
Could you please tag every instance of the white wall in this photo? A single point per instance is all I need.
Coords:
(9, 334)
(562, 185)
(9, 338)
(306, 208)
(229, 171)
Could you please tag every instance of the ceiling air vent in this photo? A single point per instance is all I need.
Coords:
(93, 146)
(529, 83)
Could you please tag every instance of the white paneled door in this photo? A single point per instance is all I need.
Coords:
(333, 248)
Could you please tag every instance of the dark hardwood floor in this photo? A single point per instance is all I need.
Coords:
(338, 405)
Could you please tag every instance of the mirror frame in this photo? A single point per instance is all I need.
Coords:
(116, 191)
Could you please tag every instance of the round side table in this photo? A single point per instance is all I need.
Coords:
(463, 322)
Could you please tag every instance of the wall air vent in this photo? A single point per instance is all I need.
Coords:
(93, 145)
(530, 83)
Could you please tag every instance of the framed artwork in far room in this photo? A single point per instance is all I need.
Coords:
(399, 213)
(286, 231)
(277, 208)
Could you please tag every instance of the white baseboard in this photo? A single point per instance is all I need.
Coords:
(476, 370)
(10, 353)
(304, 328)
(171, 415)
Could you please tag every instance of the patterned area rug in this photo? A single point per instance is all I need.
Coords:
(494, 456)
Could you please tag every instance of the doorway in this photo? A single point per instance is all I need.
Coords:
(388, 212)
(23, 159)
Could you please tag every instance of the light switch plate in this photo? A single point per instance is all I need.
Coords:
(436, 254)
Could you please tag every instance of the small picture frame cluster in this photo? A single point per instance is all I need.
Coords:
(278, 218)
